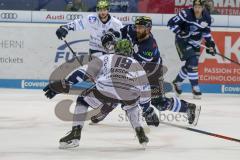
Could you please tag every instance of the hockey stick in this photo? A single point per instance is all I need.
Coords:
(74, 53)
(221, 55)
(202, 132)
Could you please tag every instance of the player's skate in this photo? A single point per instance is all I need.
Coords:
(197, 94)
(142, 138)
(72, 139)
(177, 87)
(193, 113)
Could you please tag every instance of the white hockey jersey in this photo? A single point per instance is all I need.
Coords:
(117, 77)
(96, 28)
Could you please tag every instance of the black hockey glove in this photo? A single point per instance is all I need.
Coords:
(60, 86)
(108, 41)
(49, 93)
(151, 117)
(116, 33)
(61, 32)
(211, 49)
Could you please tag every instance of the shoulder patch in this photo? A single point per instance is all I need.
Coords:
(92, 19)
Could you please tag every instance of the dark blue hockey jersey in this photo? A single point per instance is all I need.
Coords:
(196, 28)
(145, 51)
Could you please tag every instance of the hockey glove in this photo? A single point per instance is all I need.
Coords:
(61, 32)
(60, 86)
(108, 41)
(116, 33)
(211, 49)
(151, 117)
(49, 93)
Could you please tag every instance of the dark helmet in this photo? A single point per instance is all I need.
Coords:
(144, 20)
(198, 2)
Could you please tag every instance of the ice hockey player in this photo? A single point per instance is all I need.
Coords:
(146, 53)
(118, 79)
(97, 24)
(191, 26)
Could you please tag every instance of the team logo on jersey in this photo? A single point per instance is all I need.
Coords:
(92, 19)
(148, 53)
(204, 24)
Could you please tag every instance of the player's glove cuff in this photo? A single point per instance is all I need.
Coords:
(209, 45)
(49, 93)
(56, 87)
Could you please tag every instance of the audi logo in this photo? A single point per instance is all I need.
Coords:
(9, 15)
(74, 16)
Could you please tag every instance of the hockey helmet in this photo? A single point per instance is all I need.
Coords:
(198, 2)
(144, 20)
(123, 47)
(103, 4)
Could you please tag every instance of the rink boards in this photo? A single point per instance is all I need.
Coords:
(31, 52)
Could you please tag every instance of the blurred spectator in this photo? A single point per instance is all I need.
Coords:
(209, 5)
(161, 6)
(117, 5)
(143, 6)
(18, 4)
(123, 5)
(156, 6)
(76, 5)
(91, 5)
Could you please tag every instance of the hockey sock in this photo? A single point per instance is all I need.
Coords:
(80, 112)
(178, 105)
(182, 75)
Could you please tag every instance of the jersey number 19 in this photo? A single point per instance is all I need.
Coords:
(123, 63)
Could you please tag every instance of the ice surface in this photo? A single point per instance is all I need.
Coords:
(30, 130)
